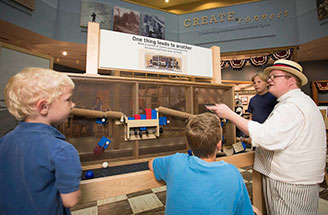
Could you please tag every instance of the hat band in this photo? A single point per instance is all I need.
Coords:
(286, 65)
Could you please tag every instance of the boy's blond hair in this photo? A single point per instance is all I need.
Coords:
(32, 84)
(261, 75)
(203, 134)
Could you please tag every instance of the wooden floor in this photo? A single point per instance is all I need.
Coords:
(152, 201)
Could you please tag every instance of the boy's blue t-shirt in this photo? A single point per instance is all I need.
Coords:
(36, 165)
(195, 186)
(260, 106)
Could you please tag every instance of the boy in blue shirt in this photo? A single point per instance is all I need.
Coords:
(39, 171)
(199, 184)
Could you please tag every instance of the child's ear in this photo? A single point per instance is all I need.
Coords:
(219, 145)
(42, 106)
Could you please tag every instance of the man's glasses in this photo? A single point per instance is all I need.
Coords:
(272, 77)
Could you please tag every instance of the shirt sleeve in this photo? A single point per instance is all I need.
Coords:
(68, 169)
(161, 167)
(279, 130)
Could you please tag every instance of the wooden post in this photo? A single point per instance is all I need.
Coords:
(258, 200)
(116, 128)
(93, 48)
(135, 111)
(315, 92)
(216, 61)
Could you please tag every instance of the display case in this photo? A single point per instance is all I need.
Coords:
(131, 97)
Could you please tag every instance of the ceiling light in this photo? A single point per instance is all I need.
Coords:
(167, 1)
(64, 53)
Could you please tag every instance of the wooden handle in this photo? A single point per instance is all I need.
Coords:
(96, 113)
(171, 112)
(87, 113)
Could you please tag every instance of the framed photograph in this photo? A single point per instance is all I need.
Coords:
(244, 100)
(322, 9)
(126, 21)
(93, 11)
(153, 26)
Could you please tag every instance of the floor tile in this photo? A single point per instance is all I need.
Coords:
(156, 211)
(159, 189)
(323, 207)
(161, 196)
(247, 176)
(241, 170)
(324, 194)
(80, 206)
(140, 193)
(112, 199)
(86, 211)
(321, 189)
(144, 203)
(115, 208)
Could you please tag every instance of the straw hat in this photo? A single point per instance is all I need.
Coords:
(290, 67)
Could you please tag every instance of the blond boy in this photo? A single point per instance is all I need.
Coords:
(40, 172)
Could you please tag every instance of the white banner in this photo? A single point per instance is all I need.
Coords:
(139, 53)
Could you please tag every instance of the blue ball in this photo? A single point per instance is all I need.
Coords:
(89, 174)
(190, 152)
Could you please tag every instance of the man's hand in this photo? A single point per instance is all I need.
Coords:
(221, 110)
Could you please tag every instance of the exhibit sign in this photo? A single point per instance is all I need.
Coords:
(138, 53)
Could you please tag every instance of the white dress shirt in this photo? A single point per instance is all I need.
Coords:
(291, 143)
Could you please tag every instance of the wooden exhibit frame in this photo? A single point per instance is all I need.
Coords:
(315, 92)
(189, 95)
(93, 49)
(106, 187)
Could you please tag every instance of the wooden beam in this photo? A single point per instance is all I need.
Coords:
(239, 160)
(101, 188)
(93, 48)
(258, 200)
(216, 61)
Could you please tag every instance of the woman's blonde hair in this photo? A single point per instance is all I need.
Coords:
(32, 84)
(261, 75)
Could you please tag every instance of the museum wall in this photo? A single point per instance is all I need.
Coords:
(308, 25)
(60, 19)
(315, 71)
(234, 28)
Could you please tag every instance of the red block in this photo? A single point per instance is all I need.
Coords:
(137, 116)
(148, 113)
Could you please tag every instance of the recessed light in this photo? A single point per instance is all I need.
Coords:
(64, 53)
